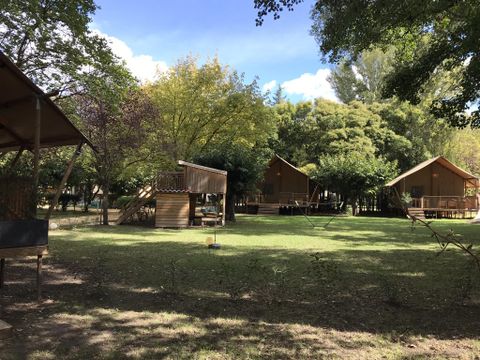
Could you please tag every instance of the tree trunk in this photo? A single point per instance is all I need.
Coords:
(105, 203)
(230, 208)
(354, 206)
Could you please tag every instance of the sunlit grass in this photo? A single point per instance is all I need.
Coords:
(377, 290)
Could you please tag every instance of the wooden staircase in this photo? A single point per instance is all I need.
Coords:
(417, 213)
(134, 205)
(268, 209)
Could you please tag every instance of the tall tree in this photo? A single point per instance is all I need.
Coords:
(50, 40)
(278, 96)
(426, 136)
(354, 176)
(463, 148)
(308, 130)
(245, 166)
(203, 105)
(111, 110)
(428, 36)
(364, 78)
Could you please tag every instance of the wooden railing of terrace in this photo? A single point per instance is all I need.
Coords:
(291, 198)
(172, 180)
(438, 203)
(283, 199)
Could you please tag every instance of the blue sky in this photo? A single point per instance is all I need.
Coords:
(157, 33)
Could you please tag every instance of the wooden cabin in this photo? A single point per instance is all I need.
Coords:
(177, 194)
(283, 186)
(438, 187)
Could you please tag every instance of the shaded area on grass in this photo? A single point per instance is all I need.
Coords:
(128, 292)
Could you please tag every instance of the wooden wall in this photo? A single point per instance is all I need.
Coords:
(201, 181)
(446, 183)
(17, 198)
(172, 210)
(281, 177)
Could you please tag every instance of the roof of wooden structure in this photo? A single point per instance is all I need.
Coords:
(445, 163)
(18, 101)
(200, 167)
(279, 158)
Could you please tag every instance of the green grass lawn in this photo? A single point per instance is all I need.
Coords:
(277, 288)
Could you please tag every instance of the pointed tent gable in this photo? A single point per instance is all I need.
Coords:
(279, 158)
(472, 181)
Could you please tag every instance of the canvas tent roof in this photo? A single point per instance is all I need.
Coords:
(276, 157)
(444, 162)
(18, 98)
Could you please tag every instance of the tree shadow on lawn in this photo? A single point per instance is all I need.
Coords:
(389, 228)
(146, 294)
(171, 298)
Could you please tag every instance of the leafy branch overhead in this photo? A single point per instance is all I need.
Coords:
(51, 41)
(449, 239)
(428, 37)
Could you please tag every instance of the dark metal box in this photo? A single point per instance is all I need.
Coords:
(23, 233)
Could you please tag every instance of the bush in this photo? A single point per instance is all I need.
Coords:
(121, 201)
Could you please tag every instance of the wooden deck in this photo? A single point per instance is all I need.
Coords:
(446, 206)
(437, 203)
(284, 199)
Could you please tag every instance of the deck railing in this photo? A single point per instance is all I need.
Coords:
(283, 198)
(291, 198)
(446, 202)
(173, 180)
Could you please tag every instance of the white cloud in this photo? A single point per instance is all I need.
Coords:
(269, 86)
(144, 67)
(311, 86)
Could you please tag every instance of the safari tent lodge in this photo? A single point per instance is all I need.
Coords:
(438, 188)
(284, 188)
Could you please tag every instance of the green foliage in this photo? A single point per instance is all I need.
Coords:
(51, 40)
(354, 176)
(306, 131)
(428, 37)
(423, 135)
(245, 166)
(364, 78)
(121, 201)
(463, 148)
(406, 199)
(204, 105)
(278, 96)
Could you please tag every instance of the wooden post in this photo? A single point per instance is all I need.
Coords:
(224, 207)
(36, 148)
(2, 272)
(17, 157)
(39, 277)
(62, 184)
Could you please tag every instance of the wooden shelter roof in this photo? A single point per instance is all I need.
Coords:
(200, 167)
(445, 163)
(18, 111)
